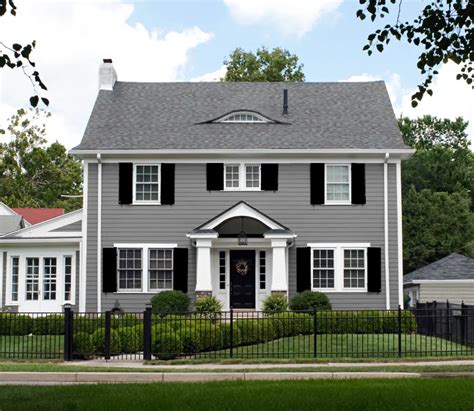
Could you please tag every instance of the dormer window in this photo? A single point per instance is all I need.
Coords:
(243, 117)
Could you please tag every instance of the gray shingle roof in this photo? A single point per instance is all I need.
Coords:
(167, 116)
(9, 223)
(453, 267)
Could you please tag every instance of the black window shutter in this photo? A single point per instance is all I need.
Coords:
(269, 177)
(317, 183)
(125, 183)
(109, 270)
(180, 269)
(374, 269)
(303, 269)
(358, 183)
(215, 176)
(167, 183)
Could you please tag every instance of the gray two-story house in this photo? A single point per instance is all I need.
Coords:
(240, 190)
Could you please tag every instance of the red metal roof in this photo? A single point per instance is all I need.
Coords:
(38, 215)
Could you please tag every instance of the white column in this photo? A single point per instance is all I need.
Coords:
(279, 266)
(203, 265)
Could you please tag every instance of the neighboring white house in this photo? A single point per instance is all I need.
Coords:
(449, 279)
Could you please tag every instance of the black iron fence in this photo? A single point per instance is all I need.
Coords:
(421, 332)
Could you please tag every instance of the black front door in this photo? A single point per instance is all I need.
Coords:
(242, 279)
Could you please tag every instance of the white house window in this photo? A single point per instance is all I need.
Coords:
(263, 270)
(32, 278)
(147, 183)
(130, 269)
(243, 117)
(160, 269)
(242, 177)
(222, 270)
(323, 269)
(339, 267)
(338, 184)
(49, 278)
(15, 274)
(354, 268)
(67, 278)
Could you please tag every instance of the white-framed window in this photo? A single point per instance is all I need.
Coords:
(262, 261)
(243, 117)
(338, 184)
(246, 177)
(147, 183)
(50, 267)
(32, 278)
(15, 272)
(339, 267)
(222, 269)
(67, 269)
(323, 268)
(129, 269)
(160, 269)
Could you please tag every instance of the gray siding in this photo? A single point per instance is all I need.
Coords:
(290, 205)
(453, 292)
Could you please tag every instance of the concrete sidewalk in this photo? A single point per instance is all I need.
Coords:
(210, 366)
(61, 378)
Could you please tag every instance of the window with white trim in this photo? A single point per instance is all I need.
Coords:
(67, 278)
(130, 269)
(242, 177)
(338, 185)
(354, 268)
(14, 278)
(222, 270)
(146, 183)
(160, 269)
(49, 278)
(32, 278)
(323, 268)
(263, 269)
(243, 117)
(339, 267)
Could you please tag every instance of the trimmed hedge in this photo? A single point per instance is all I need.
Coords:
(170, 302)
(98, 341)
(131, 339)
(166, 346)
(15, 324)
(82, 345)
(49, 325)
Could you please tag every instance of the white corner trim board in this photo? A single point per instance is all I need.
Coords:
(83, 247)
(385, 224)
(99, 233)
(399, 233)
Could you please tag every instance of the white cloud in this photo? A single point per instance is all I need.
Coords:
(295, 17)
(451, 98)
(72, 38)
(212, 76)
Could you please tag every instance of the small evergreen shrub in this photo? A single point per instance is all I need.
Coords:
(310, 301)
(49, 325)
(98, 341)
(209, 306)
(87, 324)
(275, 303)
(190, 338)
(225, 335)
(170, 302)
(125, 320)
(15, 324)
(82, 345)
(167, 346)
(255, 331)
(291, 324)
(131, 340)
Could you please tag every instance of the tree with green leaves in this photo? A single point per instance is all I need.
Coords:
(444, 29)
(264, 65)
(17, 56)
(32, 173)
(435, 224)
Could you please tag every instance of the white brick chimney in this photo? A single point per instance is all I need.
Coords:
(107, 75)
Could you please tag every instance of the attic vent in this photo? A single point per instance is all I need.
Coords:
(243, 117)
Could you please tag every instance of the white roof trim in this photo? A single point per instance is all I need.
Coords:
(46, 228)
(460, 281)
(242, 210)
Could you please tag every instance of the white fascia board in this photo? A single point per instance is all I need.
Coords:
(25, 241)
(194, 236)
(336, 245)
(466, 281)
(145, 245)
(280, 236)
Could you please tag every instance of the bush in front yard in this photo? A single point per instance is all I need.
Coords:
(225, 335)
(15, 324)
(98, 341)
(190, 338)
(49, 325)
(310, 301)
(82, 345)
(87, 323)
(131, 340)
(209, 306)
(255, 331)
(126, 320)
(289, 324)
(275, 303)
(170, 302)
(167, 346)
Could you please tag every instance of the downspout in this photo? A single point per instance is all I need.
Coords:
(385, 218)
(99, 233)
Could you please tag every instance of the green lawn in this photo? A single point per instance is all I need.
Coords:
(32, 346)
(350, 345)
(407, 394)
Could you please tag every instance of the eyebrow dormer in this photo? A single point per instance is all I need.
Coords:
(243, 117)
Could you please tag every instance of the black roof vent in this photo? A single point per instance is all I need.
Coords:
(107, 60)
(285, 101)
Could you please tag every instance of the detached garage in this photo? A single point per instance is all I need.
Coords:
(451, 278)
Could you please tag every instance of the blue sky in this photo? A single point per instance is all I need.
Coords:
(154, 40)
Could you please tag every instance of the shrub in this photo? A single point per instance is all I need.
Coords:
(131, 339)
(49, 325)
(125, 320)
(256, 331)
(98, 341)
(15, 324)
(275, 303)
(87, 324)
(209, 336)
(190, 338)
(170, 302)
(290, 324)
(82, 345)
(167, 346)
(309, 301)
(225, 335)
(209, 306)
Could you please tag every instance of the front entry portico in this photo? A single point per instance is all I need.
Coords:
(241, 273)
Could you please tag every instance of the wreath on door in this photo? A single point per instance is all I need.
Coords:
(242, 267)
